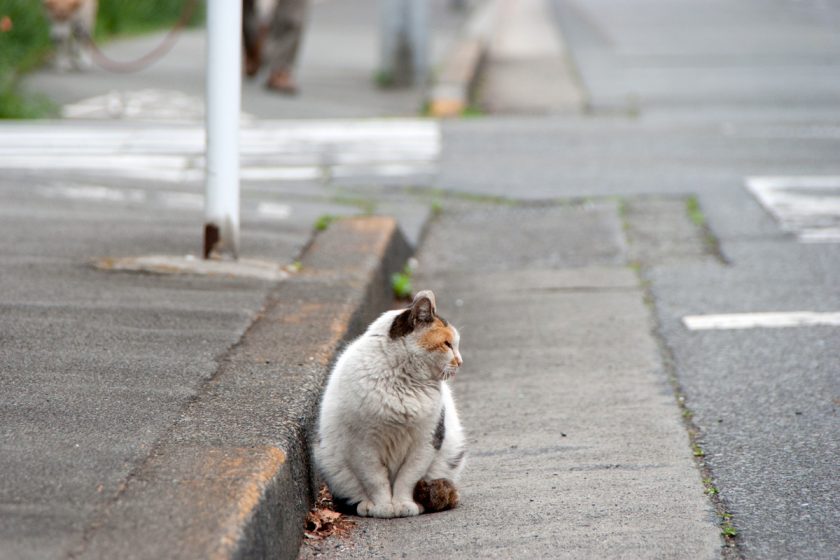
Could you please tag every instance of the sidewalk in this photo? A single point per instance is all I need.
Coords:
(576, 446)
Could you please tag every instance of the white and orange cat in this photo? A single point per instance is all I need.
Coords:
(389, 440)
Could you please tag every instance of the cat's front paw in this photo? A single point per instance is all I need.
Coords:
(366, 508)
(407, 509)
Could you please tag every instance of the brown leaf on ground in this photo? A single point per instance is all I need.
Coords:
(323, 521)
(320, 523)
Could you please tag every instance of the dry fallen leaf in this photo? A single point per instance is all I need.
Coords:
(323, 521)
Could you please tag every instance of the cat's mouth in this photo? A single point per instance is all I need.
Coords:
(449, 373)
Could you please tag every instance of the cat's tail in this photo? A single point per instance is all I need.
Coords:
(436, 495)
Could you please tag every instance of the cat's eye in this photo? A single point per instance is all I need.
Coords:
(448, 344)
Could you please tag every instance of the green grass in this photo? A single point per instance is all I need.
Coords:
(695, 214)
(23, 45)
(323, 222)
(472, 111)
(130, 17)
(401, 283)
(15, 105)
(727, 530)
(383, 79)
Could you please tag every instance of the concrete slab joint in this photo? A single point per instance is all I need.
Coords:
(231, 478)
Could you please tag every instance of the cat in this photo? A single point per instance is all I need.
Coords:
(71, 27)
(390, 443)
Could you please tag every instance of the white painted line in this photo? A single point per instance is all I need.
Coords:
(386, 170)
(271, 151)
(760, 320)
(280, 173)
(806, 206)
(99, 162)
(819, 236)
(93, 193)
(274, 210)
(181, 200)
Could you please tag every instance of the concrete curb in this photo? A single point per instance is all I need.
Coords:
(232, 478)
(450, 95)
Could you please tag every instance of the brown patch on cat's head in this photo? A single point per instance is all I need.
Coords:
(421, 312)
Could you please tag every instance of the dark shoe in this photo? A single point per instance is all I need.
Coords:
(252, 66)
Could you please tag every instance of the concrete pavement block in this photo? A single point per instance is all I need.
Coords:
(231, 478)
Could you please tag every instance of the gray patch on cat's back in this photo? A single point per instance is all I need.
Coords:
(440, 431)
(455, 462)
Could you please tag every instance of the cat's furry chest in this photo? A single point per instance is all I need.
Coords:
(400, 401)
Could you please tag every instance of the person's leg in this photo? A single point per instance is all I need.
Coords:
(285, 36)
(251, 37)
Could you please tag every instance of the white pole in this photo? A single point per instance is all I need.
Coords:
(221, 205)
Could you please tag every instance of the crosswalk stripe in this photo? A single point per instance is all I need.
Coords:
(270, 150)
(808, 206)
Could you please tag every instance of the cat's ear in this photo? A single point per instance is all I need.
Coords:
(423, 307)
(421, 311)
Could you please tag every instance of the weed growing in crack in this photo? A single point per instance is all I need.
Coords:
(323, 222)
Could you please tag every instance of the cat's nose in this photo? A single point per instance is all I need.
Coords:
(458, 361)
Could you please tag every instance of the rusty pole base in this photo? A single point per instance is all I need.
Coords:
(211, 239)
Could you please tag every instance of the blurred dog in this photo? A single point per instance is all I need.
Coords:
(71, 26)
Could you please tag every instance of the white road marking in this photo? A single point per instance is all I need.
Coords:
(274, 210)
(809, 207)
(760, 320)
(392, 170)
(270, 150)
(181, 200)
(280, 173)
(142, 105)
(93, 193)
(177, 200)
